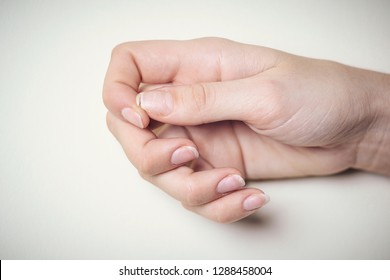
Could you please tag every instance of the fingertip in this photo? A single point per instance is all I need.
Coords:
(233, 206)
(255, 201)
(230, 183)
(135, 116)
(184, 154)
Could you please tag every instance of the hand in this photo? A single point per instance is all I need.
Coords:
(236, 111)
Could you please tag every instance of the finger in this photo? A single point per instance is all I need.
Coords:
(196, 104)
(178, 62)
(149, 62)
(149, 154)
(197, 188)
(232, 207)
(121, 87)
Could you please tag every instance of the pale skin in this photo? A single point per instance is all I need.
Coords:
(198, 117)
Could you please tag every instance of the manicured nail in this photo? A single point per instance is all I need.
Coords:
(184, 154)
(255, 201)
(132, 116)
(155, 102)
(230, 183)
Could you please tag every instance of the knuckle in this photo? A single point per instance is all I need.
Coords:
(145, 166)
(107, 97)
(108, 88)
(118, 49)
(202, 97)
(110, 123)
(143, 175)
(199, 95)
(192, 196)
(221, 217)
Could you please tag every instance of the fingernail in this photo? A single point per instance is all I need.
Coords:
(255, 201)
(230, 183)
(132, 116)
(184, 154)
(155, 102)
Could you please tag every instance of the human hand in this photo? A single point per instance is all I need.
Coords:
(235, 111)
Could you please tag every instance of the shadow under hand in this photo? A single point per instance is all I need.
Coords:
(256, 220)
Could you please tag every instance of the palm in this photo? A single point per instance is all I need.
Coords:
(234, 144)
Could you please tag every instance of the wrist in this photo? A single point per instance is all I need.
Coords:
(373, 150)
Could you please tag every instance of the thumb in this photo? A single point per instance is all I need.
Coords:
(200, 103)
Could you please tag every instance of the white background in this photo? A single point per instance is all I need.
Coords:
(66, 188)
